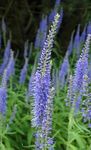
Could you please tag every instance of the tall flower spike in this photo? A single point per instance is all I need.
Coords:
(86, 109)
(57, 3)
(31, 80)
(23, 72)
(41, 34)
(55, 11)
(69, 96)
(79, 78)
(3, 89)
(41, 86)
(7, 50)
(47, 121)
(43, 139)
(89, 28)
(64, 70)
(85, 83)
(51, 16)
(3, 99)
(78, 85)
(30, 85)
(43, 30)
(37, 40)
(70, 46)
(81, 66)
(55, 79)
(76, 44)
(83, 35)
(89, 70)
(46, 51)
(9, 70)
(6, 57)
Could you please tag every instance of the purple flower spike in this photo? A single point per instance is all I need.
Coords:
(6, 57)
(30, 86)
(23, 72)
(3, 98)
(43, 29)
(80, 82)
(89, 28)
(9, 70)
(41, 34)
(47, 121)
(83, 35)
(69, 97)
(77, 104)
(53, 13)
(37, 40)
(81, 66)
(70, 46)
(11, 64)
(64, 70)
(57, 2)
(51, 16)
(42, 93)
(89, 71)
(76, 44)
(7, 50)
(86, 109)
(89, 125)
(79, 85)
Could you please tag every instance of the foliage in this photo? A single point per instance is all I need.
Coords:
(41, 82)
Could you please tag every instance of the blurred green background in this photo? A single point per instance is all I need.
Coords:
(22, 18)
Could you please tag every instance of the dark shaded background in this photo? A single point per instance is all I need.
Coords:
(23, 16)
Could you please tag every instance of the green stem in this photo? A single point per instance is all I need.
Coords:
(70, 125)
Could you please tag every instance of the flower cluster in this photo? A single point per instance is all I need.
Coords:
(83, 35)
(6, 57)
(64, 70)
(81, 66)
(9, 70)
(41, 34)
(42, 91)
(23, 72)
(79, 84)
(89, 28)
(3, 100)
